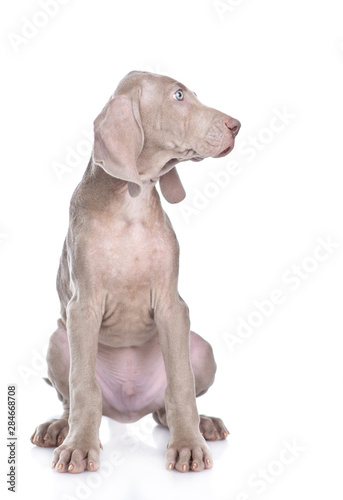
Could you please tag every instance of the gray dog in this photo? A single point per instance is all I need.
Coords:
(123, 347)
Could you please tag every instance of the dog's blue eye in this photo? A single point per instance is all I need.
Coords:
(178, 95)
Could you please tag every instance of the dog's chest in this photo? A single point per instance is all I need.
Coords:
(137, 260)
(137, 255)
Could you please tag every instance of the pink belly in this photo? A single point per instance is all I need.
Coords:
(132, 380)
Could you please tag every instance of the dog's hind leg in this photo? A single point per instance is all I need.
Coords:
(54, 431)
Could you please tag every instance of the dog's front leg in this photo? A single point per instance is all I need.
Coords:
(187, 448)
(80, 450)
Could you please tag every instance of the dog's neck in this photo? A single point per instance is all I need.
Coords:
(100, 192)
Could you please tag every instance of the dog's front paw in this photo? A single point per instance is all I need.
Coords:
(76, 456)
(188, 454)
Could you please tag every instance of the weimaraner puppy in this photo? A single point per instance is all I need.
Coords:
(123, 347)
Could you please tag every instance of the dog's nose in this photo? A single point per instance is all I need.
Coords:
(232, 124)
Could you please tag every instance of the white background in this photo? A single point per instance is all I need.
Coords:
(283, 382)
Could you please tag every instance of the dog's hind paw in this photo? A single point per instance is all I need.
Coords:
(213, 428)
(51, 433)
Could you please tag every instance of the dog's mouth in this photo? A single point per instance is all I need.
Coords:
(225, 151)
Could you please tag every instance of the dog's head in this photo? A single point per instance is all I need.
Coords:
(150, 124)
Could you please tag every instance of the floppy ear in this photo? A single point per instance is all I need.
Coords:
(118, 141)
(171, 186)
